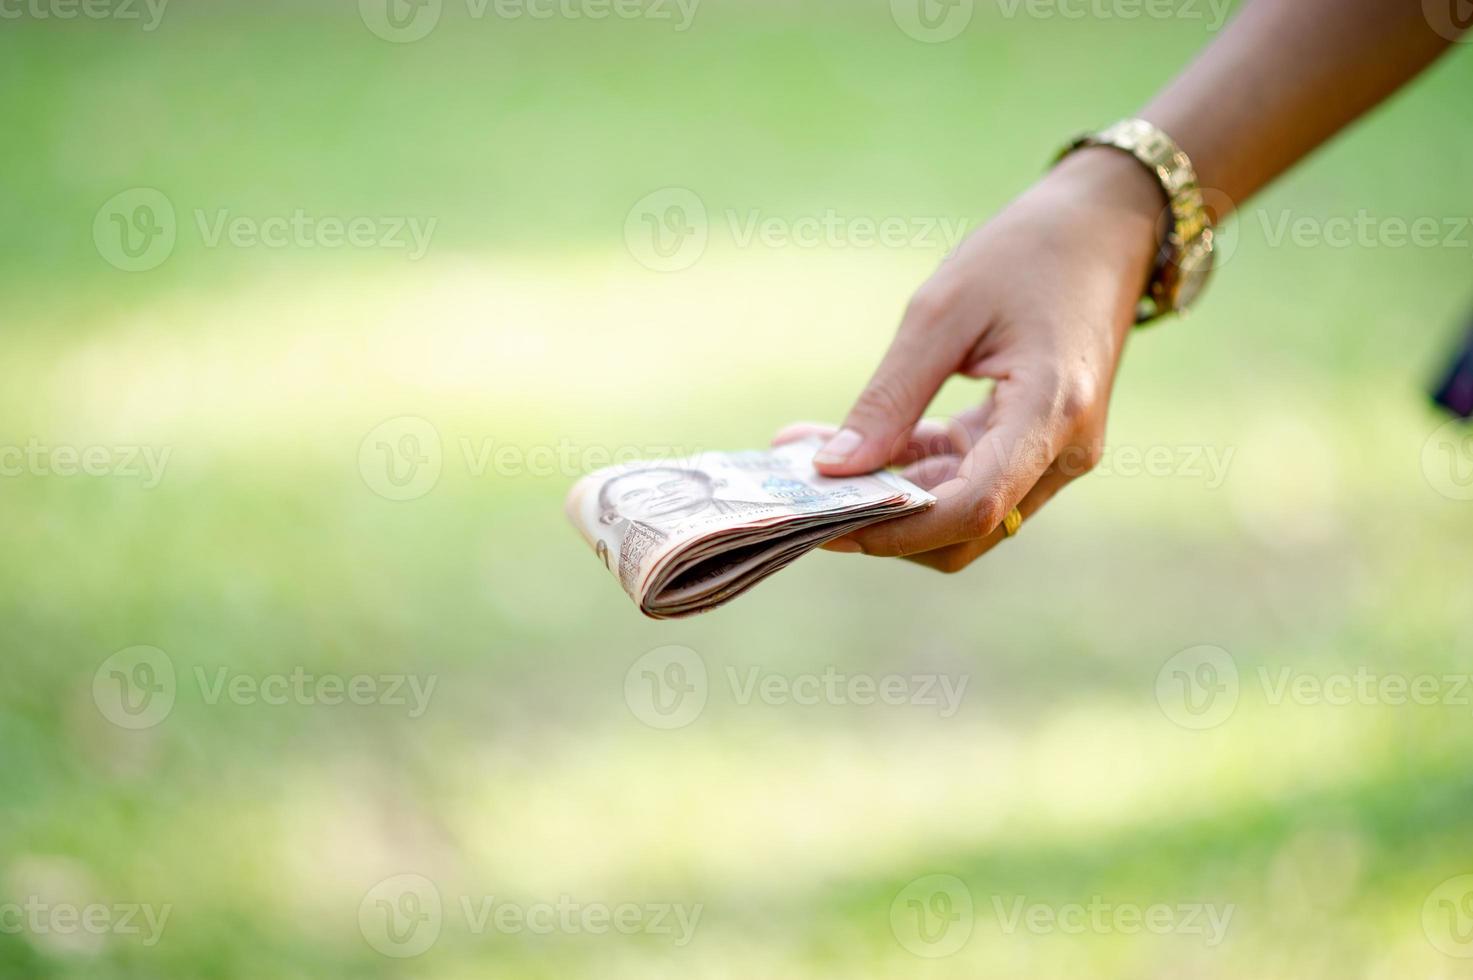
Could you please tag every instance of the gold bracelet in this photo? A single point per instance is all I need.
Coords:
(1184, 258)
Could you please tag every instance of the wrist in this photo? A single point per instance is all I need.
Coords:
(1127, 198)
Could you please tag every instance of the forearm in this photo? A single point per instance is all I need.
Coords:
(1285, 76)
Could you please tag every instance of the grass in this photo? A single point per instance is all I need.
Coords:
(529, 327)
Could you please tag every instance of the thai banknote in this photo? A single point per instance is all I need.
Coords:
(686, 535)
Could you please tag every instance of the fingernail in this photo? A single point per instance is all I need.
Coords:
(837, 449)
(844, 547)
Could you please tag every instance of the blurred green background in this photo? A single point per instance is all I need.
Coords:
(531, 338)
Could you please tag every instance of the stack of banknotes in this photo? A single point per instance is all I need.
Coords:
(686, 535)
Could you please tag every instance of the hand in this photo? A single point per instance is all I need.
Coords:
(1039, 300)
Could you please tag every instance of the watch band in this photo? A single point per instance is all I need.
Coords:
(1185, 256)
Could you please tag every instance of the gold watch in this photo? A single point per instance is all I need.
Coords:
(1184, 259)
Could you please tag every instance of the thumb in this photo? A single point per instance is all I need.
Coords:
(878, 427)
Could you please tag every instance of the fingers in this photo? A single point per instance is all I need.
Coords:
(931, 438)
(928, 438)
(1028, 431)
(933, 471)
(802, 430)
(911, 373)
(954, 558)
(926, 473)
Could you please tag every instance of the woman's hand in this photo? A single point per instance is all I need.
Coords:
(1040, 300)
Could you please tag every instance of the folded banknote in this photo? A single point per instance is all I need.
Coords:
(686, 535)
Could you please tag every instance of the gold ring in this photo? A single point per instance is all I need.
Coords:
(1012, 522)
